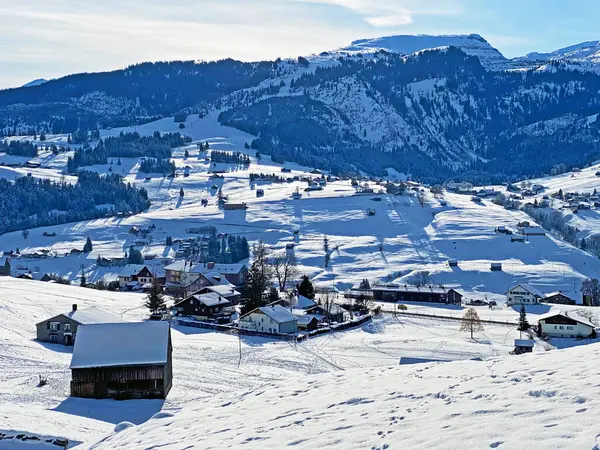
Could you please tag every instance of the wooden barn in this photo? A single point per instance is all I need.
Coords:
(122, 360)
(406, 293)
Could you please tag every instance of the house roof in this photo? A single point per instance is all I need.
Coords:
(223, 290)
(304, 302)
(552, 294)
(88, 316)
(211, 299)
(409, 288)
(132, 269)
(276, 312)
(305, 319)
(121, 344)
(529, 288)
(204, 268)
(523, 343)
(333, 308)
(570, 315)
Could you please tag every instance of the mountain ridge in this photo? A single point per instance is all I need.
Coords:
(437, 113)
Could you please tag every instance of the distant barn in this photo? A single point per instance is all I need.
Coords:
(409, 293)
(122, 360)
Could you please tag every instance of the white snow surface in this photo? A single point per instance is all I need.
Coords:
(121, 344)
(533, 401)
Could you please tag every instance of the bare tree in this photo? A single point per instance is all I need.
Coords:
(471, 322)
(327, 299)
(421, 278)
(591, 289)
(285, 269)
(589, 315)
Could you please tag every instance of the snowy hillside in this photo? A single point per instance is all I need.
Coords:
(471, 44)
(583, 56)
(534, 401)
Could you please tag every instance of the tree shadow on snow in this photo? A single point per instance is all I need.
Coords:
(533, 309)
(111, 411)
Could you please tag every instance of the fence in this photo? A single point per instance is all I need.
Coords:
(285, 337)
(435, 316)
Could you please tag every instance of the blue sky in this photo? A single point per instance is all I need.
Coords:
(46, 39)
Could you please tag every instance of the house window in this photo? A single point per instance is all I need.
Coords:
(561, 327)
(55, 326)
(569, 328)
(53, 338)
(67, 326)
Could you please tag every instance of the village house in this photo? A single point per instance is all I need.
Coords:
(234, 273)
(226, 291)
(134, 276)
(523, 294)
(558, 298)
(523, 346)
(207, 307)
(565, 324)
(331, 312)
(269, 319)
(406, 293)
(62, 329)
(122, 360)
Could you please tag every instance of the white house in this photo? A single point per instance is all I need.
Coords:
(269, 319)
(564, 324)
(523, 294)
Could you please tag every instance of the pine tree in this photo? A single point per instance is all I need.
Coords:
(583, 245)
(186, 154)
(523, 323)
(155, 300)
(254, 289)
(306, 288)
(246, 146)
(83, 278)
(273, 294)
(169, 241)
(135, 256)
(88, 246)
(181, 193)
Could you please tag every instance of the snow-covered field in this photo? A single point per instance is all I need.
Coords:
(206, 364)
(276, 393)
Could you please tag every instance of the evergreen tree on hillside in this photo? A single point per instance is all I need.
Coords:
(155, 301)
(523, 323)
(87, 248)
(306, 288)
(169, 241)
(135, 256)
(181, 193)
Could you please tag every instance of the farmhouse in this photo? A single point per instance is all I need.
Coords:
(406, 293)
(122, 360)
(523, 294)
(564, 324)
(226, 291)
(533, 231)
(269, 319)
(234, 273)
(558, 298)
(62, 329)
(134, 276)
(208, 307)
(331, 312)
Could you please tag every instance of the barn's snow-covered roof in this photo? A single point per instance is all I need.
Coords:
(121, 344)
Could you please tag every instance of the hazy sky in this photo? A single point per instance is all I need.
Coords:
(50, 38)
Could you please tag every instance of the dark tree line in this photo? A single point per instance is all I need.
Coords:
(19, 148)
(29, 202)
(230, 157)
(157, 148)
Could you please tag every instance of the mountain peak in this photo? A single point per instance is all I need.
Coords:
(472, 44)
(35, 82)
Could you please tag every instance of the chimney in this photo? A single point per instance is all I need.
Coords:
(74, 307)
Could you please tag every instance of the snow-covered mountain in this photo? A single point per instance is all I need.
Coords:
(471, 44)
(436, 107)
(589, 50)
(35, 82)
